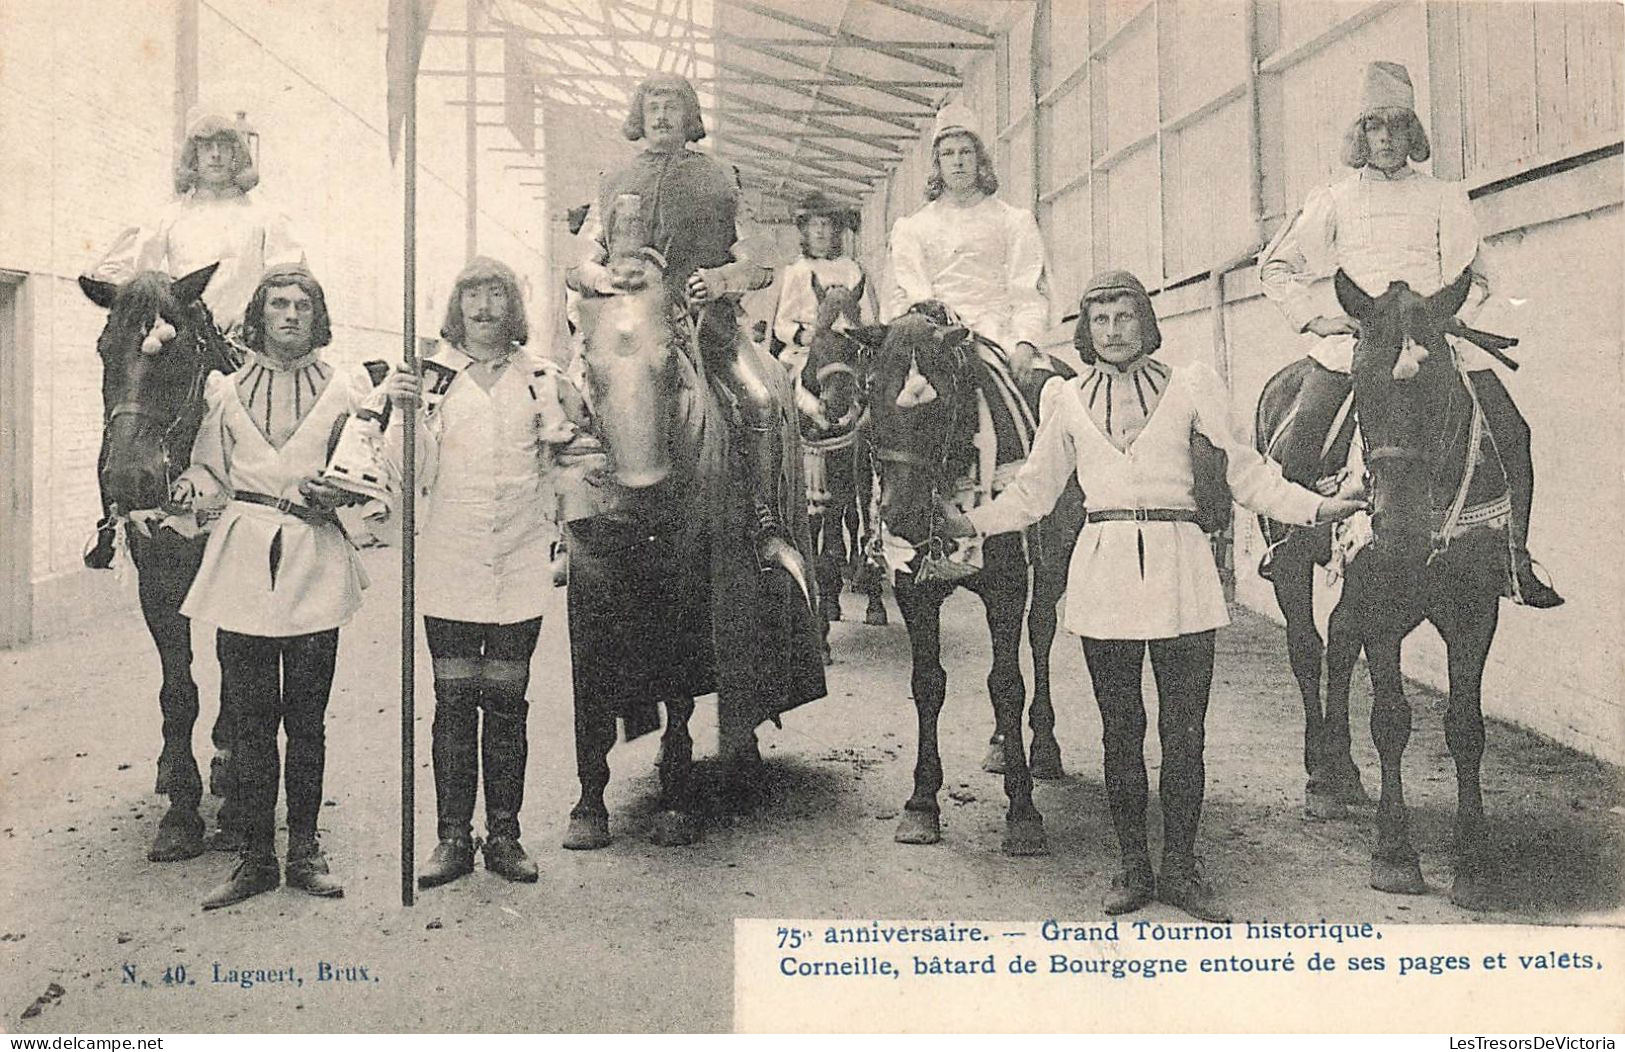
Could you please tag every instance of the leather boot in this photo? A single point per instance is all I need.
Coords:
(1184, 886)
(256, 873)
(456, 755)
(504, 750)
(506, 857)
(1133, 887)
(450, 859)
(307, 867)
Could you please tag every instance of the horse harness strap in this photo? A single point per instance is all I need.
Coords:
(1143, 515)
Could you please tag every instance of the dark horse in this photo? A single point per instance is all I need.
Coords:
(839, 483)
(666, 600)
(1434, 555)
(934, 395)
(152, 406)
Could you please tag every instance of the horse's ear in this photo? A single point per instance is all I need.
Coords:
(1448, 300)
(1351, 297)
(192, 285)
(97, 291)
(817, 287)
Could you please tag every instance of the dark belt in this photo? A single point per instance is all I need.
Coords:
(303, 512)
(1143, 515)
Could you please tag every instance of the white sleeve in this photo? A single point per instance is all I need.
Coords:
(1025, 278)
(1304, 249)
(1255, 481)
(910, 284)
(798, 305)
(1461, 248)
(1032, 494)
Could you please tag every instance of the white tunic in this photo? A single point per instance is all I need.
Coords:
(200, 228)
(266, 572)
(486, 523)
(986, 262)
(798, 304)
(1141, 580)
(1377, 229)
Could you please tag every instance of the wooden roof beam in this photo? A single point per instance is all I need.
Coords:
(846, 38)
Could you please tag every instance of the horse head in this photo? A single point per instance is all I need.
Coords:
(630, 356)
(159, 344)
(921, 415)
(1405, 386)
(834, 355)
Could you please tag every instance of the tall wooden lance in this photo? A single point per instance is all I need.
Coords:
(408, 27)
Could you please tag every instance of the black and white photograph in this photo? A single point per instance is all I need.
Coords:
(877, 516)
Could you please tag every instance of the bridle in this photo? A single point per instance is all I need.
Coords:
(209, 355)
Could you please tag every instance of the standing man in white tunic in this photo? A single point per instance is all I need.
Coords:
(483, 559)
(214, 218)
(1142, 574)
(278, 577)
(1389, 222)
(980, 257)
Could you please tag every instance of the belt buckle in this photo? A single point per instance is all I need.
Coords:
(285, 506)
(1142, 514)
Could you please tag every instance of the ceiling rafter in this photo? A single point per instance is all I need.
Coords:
(941, 18)
(844, 38)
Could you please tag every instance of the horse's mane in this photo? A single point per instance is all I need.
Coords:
(141, 299)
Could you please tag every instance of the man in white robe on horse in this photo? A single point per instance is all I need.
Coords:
(1383, 223)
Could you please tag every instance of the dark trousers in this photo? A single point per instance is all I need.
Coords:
(1297, 448)
(281, 681)
(1183, 667)
(461, 745)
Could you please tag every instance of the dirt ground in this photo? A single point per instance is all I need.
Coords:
(639, 938)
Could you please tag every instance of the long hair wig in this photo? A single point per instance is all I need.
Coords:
(321, 329)
(987, 180)
(668, 84)
(245, 176)
(483, 270)
(1357, 152)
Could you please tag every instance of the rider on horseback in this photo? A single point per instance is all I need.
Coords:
(823, 224)
(1389, 222)
(214, 219)
(688, 205)
(977, 255)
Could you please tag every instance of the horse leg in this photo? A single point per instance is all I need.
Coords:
(1041, 623)
(161, 585)
(677, 824)
(741, 752)
(595, 735)
(1394, 864)
(1467, 643)
(1004, 599)
(921, 822)
(827, 546)
(1293, 581)
(1341, 773)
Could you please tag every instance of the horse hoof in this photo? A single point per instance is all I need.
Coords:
(1045, 761)
(180, 837)
(993, 759)
(918, 827)
(1471, 891)
(1323, 806)
(587, 833)
(1025, 838)
(1397, 878)
(876, 616)
(674, 829)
